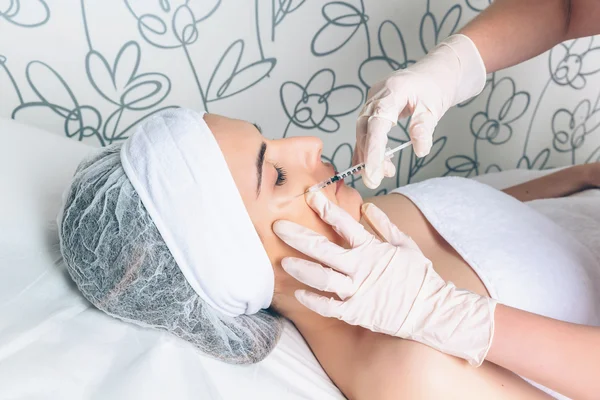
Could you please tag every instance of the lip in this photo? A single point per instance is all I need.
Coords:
(331, 171)
(338, 185)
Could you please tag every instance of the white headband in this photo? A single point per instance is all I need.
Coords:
(176, 166)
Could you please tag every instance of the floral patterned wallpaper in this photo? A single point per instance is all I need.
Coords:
(91, 69)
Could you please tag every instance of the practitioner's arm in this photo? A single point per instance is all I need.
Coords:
(564, 357)
(511, 31)
(506, 33)
(559, 184)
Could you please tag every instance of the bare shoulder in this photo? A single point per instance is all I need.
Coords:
(405, 369)
(392, 203)
(446, 260)
(409, 219)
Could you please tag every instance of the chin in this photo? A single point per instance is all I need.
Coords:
(350, 200)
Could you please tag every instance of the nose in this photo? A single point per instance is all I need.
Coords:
(309, 149)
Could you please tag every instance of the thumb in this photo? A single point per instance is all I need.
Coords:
(374, 151)
(420, 130)
(389, 169)
(327, 307)
(361, 139)
(384, 228)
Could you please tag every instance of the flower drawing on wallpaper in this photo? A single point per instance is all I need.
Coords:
(167, 25)
(594, 157)
(431, 32)
(228, 78)
(478, 5)
(281, 8)
(342, 22)
(466, 166)
(570, 64)
(11, 79)
(570, 129)
(278, 10)
(461, 165)
(503, 107)
(122, 85)
(538, 163)
(393, 55)
(25, 13)
(170, 26)
(54, 94)
(319, 103)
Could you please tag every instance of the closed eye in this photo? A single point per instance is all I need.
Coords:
(281, 176)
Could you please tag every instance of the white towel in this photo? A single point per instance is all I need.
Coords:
(542, 256)
(579, 214)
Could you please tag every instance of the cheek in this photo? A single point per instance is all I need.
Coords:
(300, 213)
(350, 200)
(296, 210)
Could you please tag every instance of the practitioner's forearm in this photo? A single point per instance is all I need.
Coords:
(561, 356)
(511, 31)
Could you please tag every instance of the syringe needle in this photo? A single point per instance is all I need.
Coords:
(351, 171)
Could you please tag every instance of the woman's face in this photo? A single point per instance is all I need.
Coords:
(270, 174)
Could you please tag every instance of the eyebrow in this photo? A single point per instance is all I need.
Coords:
(260, 160)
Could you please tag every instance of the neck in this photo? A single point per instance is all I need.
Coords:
(285, 302)
(328, 338)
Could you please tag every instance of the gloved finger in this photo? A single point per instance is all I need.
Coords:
(327, 307)
(384, 228)
(420, 130)
(319, 277)
(389, 169)
(361, 139)
(342, 222)
(406, 112)
(315, 246)
(374, 152)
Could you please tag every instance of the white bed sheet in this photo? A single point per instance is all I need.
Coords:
(54, 345)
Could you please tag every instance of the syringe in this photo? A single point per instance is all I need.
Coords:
(352, 170)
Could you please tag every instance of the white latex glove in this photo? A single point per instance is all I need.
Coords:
(449, 74)
(387, 287)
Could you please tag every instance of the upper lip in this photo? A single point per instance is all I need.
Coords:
(332, 168)
(330, 171)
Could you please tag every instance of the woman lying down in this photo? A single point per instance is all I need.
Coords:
(174, 229)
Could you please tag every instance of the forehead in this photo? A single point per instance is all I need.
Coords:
(240, 142)
(232, 133)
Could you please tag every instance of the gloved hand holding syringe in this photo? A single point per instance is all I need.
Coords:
(355, 169)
